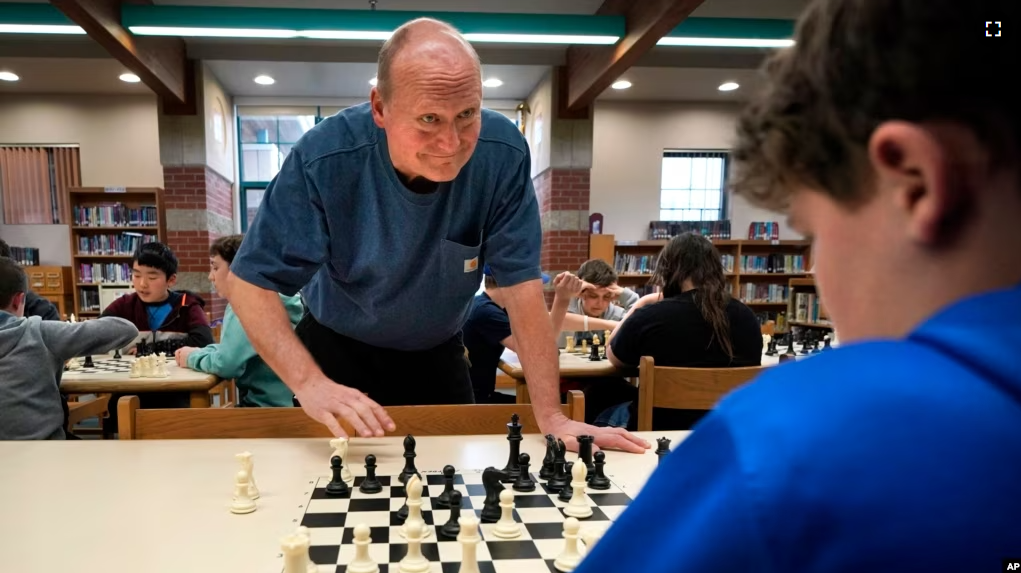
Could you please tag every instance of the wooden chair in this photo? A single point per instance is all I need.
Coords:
(135, 423)
(687, 388)
(78, 410)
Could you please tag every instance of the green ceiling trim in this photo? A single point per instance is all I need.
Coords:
(32, 15)
(750, 28)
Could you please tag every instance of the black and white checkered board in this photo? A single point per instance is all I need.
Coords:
(331, 522)
(105, 365)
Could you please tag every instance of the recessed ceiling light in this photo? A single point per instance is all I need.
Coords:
(621, 85)
(728, 87)
(9, 76)
(373, 81)
(264, 80)
(492, 83)
(130, 78)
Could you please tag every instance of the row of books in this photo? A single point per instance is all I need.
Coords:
(97, 273)
(728, 263)
(806, 307)
(779, 319)
(670, 229)
(113, 244)
(25, 256)
(764, 231)
(758, 292)
(634, 264)
(89, 299)
(115, 215)
(775, 263)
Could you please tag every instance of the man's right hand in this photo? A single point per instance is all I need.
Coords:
(324, 400)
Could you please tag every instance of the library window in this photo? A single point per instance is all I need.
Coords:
(34, 183)
(692, 186)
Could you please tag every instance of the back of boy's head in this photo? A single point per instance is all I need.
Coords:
(597, 272)
(226, 247)
(859, 63)
(5, 249)
(13, 280)
(157, 256)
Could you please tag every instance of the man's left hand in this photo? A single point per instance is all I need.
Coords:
(611, 438)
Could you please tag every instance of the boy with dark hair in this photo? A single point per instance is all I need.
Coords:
(35, 305)
(601, 304)
(881, 135)
(159, 312)
(32, 356)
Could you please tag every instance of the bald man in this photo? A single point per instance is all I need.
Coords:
(384, 216)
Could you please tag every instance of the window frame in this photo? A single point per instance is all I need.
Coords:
(724, 207)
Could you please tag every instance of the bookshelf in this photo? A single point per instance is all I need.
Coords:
(107, 225)
(805, 308)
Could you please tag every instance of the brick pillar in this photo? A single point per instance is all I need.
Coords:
(200, 206)
(563, 196)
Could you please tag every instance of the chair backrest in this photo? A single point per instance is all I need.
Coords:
(135, 423)
(688, 388)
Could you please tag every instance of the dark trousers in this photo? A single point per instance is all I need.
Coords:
(607, 392)
(390, 377)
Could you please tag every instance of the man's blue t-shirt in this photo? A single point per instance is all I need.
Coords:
(484, 332)
(378, 262)
(876, 456)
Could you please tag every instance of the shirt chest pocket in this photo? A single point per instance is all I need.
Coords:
(460, 268)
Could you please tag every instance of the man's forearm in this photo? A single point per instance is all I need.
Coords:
(576, 322)
(264, 318)
(557, 314)
(537, 347)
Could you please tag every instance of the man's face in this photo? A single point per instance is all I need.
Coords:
(595, 301)
(150, 283)
(432, 120)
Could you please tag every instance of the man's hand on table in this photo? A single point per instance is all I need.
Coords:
(324, 400)
(610, 438)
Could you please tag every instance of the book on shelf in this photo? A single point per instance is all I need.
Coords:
(97, 273)
(806, 307)
(124, 243)
(670, 229)
(114, 215)
(779, 319)
(25, 256)
(775, 263)
(759, 292)
(88, 299)
(728, 263)
(626, 264)
(764, 231)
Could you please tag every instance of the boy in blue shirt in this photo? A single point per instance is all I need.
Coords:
(884, 139)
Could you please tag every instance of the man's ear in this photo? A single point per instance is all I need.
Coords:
(912, 165)
(376, 102)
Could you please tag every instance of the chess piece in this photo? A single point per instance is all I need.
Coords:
(414, 503)
(491, 481)
(559, 478)
(567, 492)
(452, 527)
(514, 438)
(507, 528)
(117, 354)
(136, 369)
(161, 367)
(469, 539)
(590, 536)
(771, 346)
(409, 461)
(241, 503)
(594, 355)
(311, 566)
(826, 343)
(402, 513)
(569, 344)
(599, 480)
(442, 501)
(570, 557)
(606, 337)
(249, 466)
(295, 549)
(578, 506)
(585, 453)
(662, 448)
(584, 346)
(546, 471)
(340, 449)
(337, 487)
(362, 563)
(370, 484)
(89, 363)
(595, 339)
(524, 481)
(414, 561)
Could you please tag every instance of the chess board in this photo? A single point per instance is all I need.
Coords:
(106, 365)
(331, 522)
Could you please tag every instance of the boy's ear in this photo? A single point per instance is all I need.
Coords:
(171, 280)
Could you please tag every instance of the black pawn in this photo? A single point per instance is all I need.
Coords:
(585, 454)
(771, 347)
(662, 449)
(594, 353)
(514, 438)
(409, 461)
(402, 513)
(524, 481)
(826, 344)
(370, 484)
(451, 528)
(599, 479)
(546, 471)
(117, 354)
(442, 501)
(336, 487)
(89, 363)
(567, 492)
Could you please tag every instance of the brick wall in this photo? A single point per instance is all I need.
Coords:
(563, 196)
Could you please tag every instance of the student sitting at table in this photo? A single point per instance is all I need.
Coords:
(693, 322)
(487, 332)
(35, 305)
(601, 304)
(234, 356)
(32, 356)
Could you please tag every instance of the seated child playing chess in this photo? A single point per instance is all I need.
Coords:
(601, 304)
(882, 137)
(234, 357)
(32, 356)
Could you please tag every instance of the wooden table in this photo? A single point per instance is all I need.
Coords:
(571, 366)
(162, 506)
(196, 384)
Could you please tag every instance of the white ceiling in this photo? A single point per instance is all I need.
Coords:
(684, 84)
(64, 75)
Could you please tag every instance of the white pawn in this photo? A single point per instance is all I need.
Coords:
(362, 563)
(303, 531)
(570, 557)
(578, 506)
(469, 539)
(136, 369)
(507, 528)
(242, 503)
(414, 519)
(295, 549)
(161, 367)
(249, 467)
(339, 446)
(414, 561)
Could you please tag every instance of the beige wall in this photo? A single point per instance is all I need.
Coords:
(629, 140)
(539, 124)
(220, 125)
(119, 142)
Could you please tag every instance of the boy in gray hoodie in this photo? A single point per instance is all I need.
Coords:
(33, 352)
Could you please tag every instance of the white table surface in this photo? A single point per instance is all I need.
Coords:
(162, 506)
